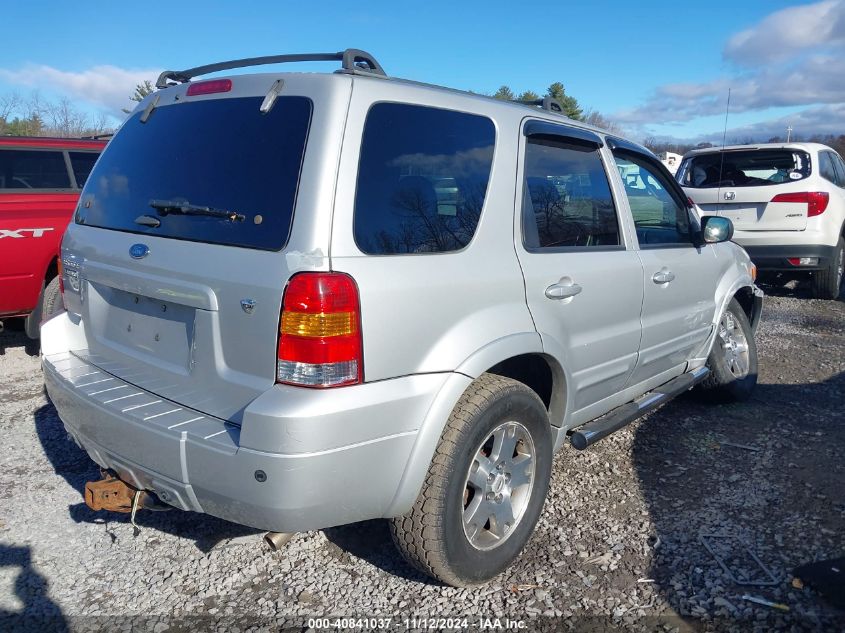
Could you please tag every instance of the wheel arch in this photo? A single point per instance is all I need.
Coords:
(52, 270)
(522, 358)
(751, 304)
(517, 356)
(750, 299)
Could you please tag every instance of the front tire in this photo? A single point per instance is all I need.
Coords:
(826, 283)
(733, 359)
(485, 488)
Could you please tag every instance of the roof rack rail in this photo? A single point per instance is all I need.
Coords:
(353, 61)
(550, 104)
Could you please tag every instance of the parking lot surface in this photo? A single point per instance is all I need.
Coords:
(618, 545)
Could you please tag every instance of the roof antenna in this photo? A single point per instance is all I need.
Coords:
(724, 137)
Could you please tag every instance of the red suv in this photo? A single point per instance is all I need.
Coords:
(40, 180)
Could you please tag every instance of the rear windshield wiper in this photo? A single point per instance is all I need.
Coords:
(166, 207)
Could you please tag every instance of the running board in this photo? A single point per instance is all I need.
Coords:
(593, 431)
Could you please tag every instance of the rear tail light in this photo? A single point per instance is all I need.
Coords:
(816, 201)
(320, 332)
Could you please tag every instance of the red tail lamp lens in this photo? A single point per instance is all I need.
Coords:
(320, 332)
(816, 201)
(209, 87)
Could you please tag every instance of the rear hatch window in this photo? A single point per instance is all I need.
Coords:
(746, 168)
(220, 155)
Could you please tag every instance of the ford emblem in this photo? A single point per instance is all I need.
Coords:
(138, 251)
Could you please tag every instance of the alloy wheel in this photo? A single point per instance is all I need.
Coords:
(498, 485)
(734, 344)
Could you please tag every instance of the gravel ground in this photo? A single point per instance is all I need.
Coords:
(618, 545)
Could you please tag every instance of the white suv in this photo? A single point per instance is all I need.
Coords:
(787, 203)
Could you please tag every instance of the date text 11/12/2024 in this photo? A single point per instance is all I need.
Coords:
(417, 623)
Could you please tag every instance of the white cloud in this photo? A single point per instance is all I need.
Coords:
(818, 121)
(788, 32)
(814, 80)
(793, 57)
(105, 87)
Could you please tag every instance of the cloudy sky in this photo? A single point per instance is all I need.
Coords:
(660, 68)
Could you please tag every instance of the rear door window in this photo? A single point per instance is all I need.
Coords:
(222, 154)
(25, 170)
(744, 168)
(422, 179)
(82, 163)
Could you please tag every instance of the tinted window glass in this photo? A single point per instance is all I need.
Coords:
(82, 162)
(566, 198)
(422, 179)
(30, 169)
(826, 169)
(745, 168)
(223, 154)
(839, 165)
(659, 216)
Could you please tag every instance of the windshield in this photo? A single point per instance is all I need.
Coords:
(217, 154)
(745, 168)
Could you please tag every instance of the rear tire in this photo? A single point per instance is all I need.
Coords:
(49, 305)
(826, 283)
(733, 359)
(485, 487)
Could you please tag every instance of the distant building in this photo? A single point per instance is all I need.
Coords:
(671, 160)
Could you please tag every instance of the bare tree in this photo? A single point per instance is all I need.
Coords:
(64, 120)
(9, 104)
(594, 117)
(36, 116)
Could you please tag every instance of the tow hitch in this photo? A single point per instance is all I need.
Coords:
(110, 493)
(115, 495)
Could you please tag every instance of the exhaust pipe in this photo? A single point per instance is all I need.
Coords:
(277, 540)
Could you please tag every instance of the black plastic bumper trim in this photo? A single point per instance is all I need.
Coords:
(776, 257)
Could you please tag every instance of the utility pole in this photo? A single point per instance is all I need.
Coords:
(788, 133)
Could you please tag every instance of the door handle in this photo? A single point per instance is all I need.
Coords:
(663, 276)
(563, 291)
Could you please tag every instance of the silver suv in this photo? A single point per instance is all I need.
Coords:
(302, 300)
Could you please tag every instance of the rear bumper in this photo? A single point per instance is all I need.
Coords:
(777, 257)
(197, 462)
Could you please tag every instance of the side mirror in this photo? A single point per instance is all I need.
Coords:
(715, 229)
